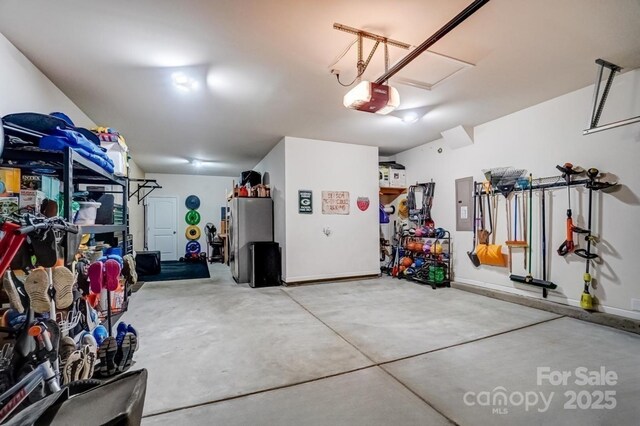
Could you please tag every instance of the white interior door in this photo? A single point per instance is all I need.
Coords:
(161, 226)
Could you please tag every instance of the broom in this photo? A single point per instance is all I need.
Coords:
(529, 278)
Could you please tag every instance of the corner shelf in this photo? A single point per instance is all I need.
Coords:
(387, 194)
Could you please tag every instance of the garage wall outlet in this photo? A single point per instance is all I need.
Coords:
(635, 304)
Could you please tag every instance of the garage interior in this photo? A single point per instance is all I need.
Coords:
(324, 213)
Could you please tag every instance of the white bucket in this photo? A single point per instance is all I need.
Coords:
(87, 213)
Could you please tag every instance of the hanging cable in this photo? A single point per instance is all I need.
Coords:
(361, 65)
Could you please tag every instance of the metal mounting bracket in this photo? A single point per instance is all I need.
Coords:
(599, 102)
(149, 184)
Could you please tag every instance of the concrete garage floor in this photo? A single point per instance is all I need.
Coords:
(375, 352)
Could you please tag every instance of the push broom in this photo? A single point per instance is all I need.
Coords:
(529, 278)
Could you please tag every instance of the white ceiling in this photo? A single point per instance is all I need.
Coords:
(264, 67)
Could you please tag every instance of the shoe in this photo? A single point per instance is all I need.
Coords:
(63, 284)
(133, 331)
(124, 353)
(107, 353)
(67, 347)
(129, 269)
(88, 339)
(121, 331)
(133, 342)
(12, 292)
(90, 359)
(73, 368)
(96, 277)
(100, 334)
(112, 273)
(37, 287)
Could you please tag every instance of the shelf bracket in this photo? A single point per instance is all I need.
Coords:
(599, 101)
(150, 184)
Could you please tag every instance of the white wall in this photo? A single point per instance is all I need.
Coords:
(537, 139)
(352, 247)
(25, 89)
(212, 191)
(272, 168)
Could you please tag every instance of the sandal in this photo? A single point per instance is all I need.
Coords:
(96, 276)
(112, 273)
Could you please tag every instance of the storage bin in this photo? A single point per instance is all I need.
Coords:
(87, 213)
(118, 154)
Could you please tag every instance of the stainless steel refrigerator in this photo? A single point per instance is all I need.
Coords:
(251, 220)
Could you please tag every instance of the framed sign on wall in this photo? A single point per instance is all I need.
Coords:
(335, 202)
(305, 201)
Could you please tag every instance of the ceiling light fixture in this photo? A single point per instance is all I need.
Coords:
(184, 82)
(410, 117)
(197, 163)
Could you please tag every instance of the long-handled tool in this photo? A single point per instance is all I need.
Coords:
(515, 243)
(507, 208)
(396, 258)
(529, 278)
(568, 245)
(543, 221)
(472, 254)
(586, 300)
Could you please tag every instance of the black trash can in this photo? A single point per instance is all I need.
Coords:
(265, 264)
(148, 263)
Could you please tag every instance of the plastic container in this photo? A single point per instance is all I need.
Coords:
(87, 213)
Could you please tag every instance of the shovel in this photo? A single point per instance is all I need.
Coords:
(472, 254)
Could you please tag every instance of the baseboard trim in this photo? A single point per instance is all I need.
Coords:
(603, 318)
(328, 280)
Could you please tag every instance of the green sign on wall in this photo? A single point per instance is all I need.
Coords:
(305, 203)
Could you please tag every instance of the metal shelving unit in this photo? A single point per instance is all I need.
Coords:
(21, 151)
